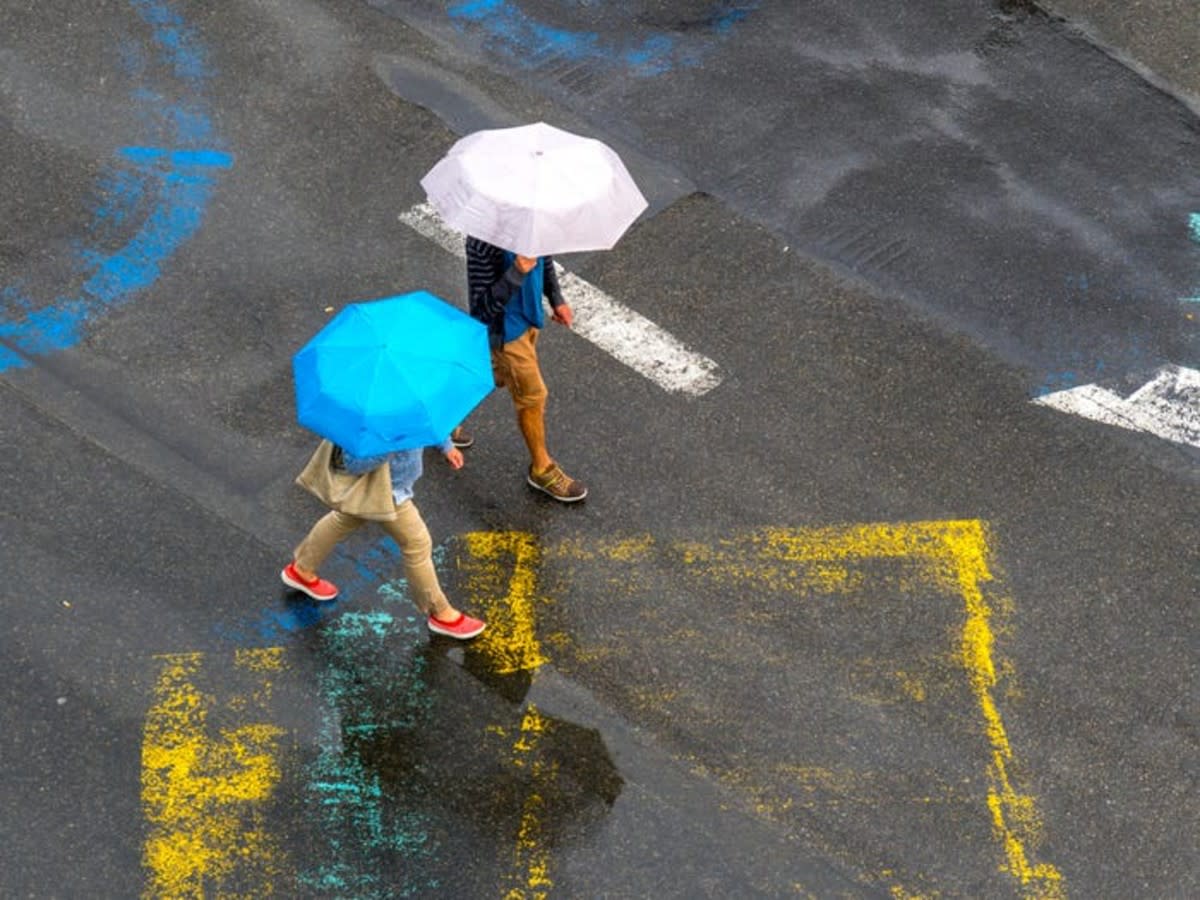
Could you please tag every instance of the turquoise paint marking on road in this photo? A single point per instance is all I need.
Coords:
(1194, 229)
(369, 847)
(180, 177)
(528, 41)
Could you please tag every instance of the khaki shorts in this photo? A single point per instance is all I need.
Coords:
(515, 366)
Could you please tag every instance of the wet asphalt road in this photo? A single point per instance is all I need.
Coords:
(859, 621)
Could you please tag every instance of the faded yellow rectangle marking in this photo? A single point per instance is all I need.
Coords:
(956, 555)
(950, 555)
(202, 793)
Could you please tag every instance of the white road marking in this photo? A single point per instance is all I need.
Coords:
(1168, 406)
(626, 335)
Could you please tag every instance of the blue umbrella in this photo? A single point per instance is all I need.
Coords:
(392, 374)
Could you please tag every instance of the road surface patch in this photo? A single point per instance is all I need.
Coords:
(1167, 406)
(530, 42)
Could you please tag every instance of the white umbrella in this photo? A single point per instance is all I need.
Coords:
(535, 190)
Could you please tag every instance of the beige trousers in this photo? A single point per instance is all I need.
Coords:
(407, 530)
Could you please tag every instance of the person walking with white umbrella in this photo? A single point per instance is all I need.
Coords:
(520, 195)
(505, 292)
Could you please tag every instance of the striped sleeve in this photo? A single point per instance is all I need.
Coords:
(490, 283)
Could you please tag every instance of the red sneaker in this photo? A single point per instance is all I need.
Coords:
(464, 627)
(317, 588)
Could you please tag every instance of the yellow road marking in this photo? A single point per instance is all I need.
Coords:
(501, 571)
(532, 854)
(201, 792)
(510, 643)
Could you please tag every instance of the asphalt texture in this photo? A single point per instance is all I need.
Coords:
(1158, 40)
(861, 621)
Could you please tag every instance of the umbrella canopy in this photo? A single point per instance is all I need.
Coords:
(392, 374)
(535, 190)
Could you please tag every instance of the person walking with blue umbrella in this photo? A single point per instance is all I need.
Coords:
(380, 382)
(405, 527)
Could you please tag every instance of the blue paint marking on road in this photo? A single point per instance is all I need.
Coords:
(529, 42)
(178, 159)
(124, 191)
(176, 217)
(1078, 282)
(179, 176)
(369, 576)
(174, 37)
(286, 619)
(272, 627)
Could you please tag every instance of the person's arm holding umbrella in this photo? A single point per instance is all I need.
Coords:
(361, 465)
(560, 309)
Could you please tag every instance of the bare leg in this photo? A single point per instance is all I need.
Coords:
(532, 422)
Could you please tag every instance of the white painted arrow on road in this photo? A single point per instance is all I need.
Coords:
(626, 335)
(1168, 406)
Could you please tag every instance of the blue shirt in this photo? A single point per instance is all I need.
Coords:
(524, 309)
(504, 299)
(405, 467)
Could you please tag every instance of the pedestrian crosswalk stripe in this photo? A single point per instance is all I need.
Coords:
(1167, 406)
(624, 334)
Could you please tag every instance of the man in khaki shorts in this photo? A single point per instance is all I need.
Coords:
(505, 293)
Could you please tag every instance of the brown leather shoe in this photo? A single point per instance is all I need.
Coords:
(558, 484)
